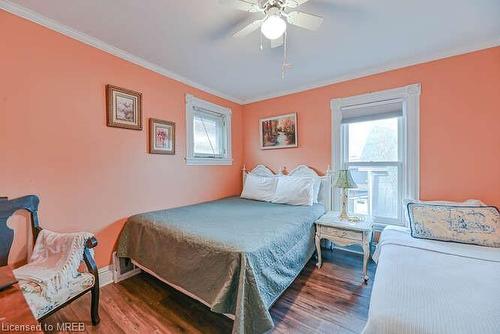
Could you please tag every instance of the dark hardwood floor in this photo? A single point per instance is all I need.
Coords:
(332, 299)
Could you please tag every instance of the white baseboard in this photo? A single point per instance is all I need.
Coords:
(105, 275)
(128, 274)
(118, 274)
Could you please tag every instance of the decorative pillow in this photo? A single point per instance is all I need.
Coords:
(259, 188)
(478, 225)
(294, 191)
(469, 202)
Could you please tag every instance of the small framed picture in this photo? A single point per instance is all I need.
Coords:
(278, 132)
(124, 108)
(161, 136)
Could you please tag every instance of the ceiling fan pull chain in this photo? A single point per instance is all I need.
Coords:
(261, 46)
(285, 56)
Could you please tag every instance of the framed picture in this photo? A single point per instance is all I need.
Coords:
(161, 136)
(278, 132)
(124, 108)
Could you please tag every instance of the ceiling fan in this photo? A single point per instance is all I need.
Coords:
(277, 13)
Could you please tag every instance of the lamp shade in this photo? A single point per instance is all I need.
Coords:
(344, 179)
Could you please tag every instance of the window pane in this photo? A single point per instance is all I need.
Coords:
(206, 136)
(373, 140)
(377, 193)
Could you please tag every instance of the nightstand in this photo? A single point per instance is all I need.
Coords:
(344, 233)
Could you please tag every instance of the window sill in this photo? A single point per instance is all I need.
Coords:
(208, 162)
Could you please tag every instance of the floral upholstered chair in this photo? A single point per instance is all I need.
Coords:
(51, 279)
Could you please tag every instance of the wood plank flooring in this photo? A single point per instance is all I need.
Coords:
(332, 299)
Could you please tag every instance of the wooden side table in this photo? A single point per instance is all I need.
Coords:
(344, 233)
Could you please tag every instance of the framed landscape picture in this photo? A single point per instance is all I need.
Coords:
(161, 136)
(278, 132)
(124, 108)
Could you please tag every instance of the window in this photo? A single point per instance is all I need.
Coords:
(208, 128)
(373, 155)
(376, 138)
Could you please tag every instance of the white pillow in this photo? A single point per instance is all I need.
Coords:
(316, 185)
(294, 191)
(259, 188)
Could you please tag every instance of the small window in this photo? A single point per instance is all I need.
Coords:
(208, 128)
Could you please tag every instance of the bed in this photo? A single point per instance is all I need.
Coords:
(427, 286)
(235, 255)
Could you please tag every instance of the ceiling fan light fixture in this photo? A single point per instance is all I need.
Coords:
(273, 27)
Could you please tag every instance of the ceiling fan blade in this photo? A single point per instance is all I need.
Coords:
(295, 3)
(246, 6)
(276, 43)
(304, 20)
(248, 29)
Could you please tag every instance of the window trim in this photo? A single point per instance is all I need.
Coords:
(193, 102)
(410, 99)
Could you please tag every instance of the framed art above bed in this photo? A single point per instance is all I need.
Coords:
(278, 132)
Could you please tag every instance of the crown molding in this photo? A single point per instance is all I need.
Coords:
(390, 66)
(101, 45)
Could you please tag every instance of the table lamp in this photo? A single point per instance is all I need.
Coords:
(345, 182)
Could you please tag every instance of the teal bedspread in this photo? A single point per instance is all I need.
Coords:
(237, 255)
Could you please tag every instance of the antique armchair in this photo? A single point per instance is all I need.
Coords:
(42, 305)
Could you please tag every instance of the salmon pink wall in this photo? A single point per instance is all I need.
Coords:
(459, 130)
(54, 141)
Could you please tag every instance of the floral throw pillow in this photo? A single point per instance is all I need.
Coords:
(478, 225)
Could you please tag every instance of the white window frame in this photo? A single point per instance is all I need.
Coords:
(409, 142)
(192, 104)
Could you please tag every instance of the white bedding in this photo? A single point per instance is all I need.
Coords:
(427, 286)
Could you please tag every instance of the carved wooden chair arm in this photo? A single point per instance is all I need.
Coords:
(91, 242)
(89, 259)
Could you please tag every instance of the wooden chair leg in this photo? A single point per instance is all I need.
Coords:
(94, 306)
(89, 261)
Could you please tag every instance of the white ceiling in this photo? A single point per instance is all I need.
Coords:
(190, 39)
